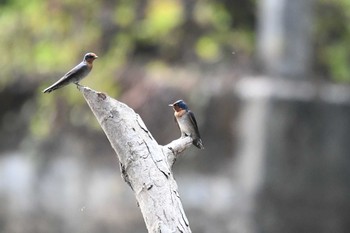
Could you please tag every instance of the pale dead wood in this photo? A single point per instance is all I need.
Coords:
(145, 165)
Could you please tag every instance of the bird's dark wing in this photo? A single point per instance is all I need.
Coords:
(194, 122)
(76, 71)
(197, 141)
(73, 76)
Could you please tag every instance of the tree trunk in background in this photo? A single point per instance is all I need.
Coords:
(145, 165)
(294, 155)
(284, 37)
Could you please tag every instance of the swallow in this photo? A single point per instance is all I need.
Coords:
(187, 122)
(74, 75)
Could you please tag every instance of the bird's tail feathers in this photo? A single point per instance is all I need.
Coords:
(198, 143)
(60, 83)
(49, 89)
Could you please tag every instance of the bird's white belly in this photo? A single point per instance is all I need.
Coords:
(183, 124)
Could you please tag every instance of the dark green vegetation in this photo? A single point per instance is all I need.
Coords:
(41, 40)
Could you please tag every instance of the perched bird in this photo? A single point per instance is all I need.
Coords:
(187, 122)
(76, 74)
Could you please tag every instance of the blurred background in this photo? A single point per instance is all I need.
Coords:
(267, 81)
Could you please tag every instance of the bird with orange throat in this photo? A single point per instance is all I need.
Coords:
(76, 74)
(187, 122)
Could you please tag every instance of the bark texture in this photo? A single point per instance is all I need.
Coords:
(145, 165)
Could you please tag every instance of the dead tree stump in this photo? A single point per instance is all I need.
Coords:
(145, 165)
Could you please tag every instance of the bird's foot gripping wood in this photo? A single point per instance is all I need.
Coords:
(78, 85)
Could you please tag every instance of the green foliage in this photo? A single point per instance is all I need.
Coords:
(39, 37)
(41, 40)
(162, 16)
(332, 39)
(208, 49)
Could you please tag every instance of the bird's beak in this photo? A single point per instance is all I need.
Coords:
(171, 105)
(96, 57)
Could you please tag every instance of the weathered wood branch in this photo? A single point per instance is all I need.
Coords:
(145, 165)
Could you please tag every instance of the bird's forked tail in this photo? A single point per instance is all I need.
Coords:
(198, 143)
